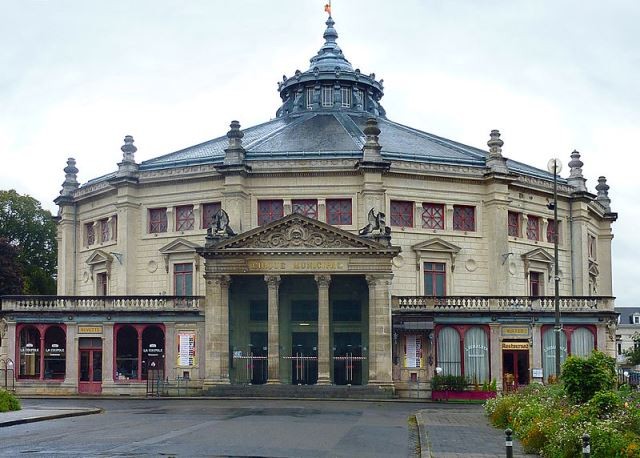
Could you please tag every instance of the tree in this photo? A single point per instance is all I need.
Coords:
(10, 271)
(31, 230)
(584, 377)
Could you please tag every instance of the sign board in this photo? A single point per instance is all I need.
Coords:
(186, 349)
(413, 353)
(515, 345)
(537, 373)
(289, 265)
(89, 329)
(522, 332)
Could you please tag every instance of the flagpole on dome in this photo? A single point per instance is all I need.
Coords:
(327, 8)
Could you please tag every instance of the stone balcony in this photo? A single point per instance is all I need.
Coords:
(101, 303)
(502, 304)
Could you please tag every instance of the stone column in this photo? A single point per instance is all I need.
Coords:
(536, 342)
(108, 371)
(217, 330)
(324, 353)
(371, 282)
(71, 356)
(380, 308)
(273, 355)
(495, 357)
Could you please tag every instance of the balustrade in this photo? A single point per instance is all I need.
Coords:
(503, 303)
(100, 303)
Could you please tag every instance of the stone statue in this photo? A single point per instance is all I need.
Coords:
(376, 223)
(220, 224)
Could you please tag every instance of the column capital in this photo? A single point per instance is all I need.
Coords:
(379, 279)
(272, 280)
(219, 280)
(323, 281)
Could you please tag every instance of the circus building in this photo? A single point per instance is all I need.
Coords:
(329, 248)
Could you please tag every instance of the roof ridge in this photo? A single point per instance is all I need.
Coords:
(271, 134)
(344, 119)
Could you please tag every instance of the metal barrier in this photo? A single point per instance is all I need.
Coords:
(7, 375)
(252, 370)
(304, 369)
(349, 362)
(156, 385)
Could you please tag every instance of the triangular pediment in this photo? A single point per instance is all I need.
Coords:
(539, 255)
(436, 244)
(179, 245)
(295, 233)
(98, 257)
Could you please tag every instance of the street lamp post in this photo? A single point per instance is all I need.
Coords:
(555, 166)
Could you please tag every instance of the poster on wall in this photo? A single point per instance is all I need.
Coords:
(413, 351)
(187, 349)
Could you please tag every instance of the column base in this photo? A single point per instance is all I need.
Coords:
(273, 381)
(323, 380)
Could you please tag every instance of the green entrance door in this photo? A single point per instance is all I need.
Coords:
(304, 358)
(347, 358)
(258, 354)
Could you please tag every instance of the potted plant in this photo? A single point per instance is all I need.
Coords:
(457, 387)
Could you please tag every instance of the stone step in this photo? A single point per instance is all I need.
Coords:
(300, 391)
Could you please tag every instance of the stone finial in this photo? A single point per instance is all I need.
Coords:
(603, 193)
(371, 149)
(496, 162)
(575, 175)
(70, 183)
(128, 166)
(235, 153)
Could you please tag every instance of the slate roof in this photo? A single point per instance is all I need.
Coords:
(626, 314)
(335, 134)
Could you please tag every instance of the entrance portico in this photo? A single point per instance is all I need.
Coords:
(318, 296)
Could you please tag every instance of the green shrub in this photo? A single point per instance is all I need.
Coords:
(603, 404)
(449, 382)
(584, 377)
(8, 402)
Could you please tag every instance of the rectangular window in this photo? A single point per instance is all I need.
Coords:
(514, 224)
(258, 310)
(90, 233)
(533, 227)
(591, 247)
(551, 230)
(183, 279)
(401, 213)
(114, 227)
(345, 92)
(636, 319)
(339, 211)
(269, 210)
(464, 218)
(208, 212)
(361, 97)
(327, 96)
(346, 310)
(433, 216)
(184, 218)
(302, 310)
(101, 284)
(105, 233)
(157, 220)
(309, 93)
(434, 279)
(306, 207)
(535, 284)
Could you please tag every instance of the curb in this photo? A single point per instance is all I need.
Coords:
(223, 398)
(22, 421)
(425, 451)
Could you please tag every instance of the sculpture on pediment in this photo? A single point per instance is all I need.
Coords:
(218, 228)
(376, 222)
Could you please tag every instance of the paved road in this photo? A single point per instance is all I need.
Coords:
(194, 428)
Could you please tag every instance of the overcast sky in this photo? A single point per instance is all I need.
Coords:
(77, 76)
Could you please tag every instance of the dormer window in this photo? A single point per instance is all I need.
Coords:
(309, 98)
(327, 96)
(636, 319)
(346, 97)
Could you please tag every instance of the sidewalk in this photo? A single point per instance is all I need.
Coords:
(34, 414)
(460, 432)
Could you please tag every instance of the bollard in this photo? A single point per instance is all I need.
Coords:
(586, 446)
(508, 442)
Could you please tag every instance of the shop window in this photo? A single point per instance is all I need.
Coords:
(582, 342)
(346, 310)
(208, 212)
(533, 227)
(339, 211)
(535, 284)
(401, 213)
(433, 216)
(184, 218)
(183, 279)
(102, 286)
(464, 218)
(42, 351)
(138, 349)
(269, 210)
(449, 351)
(90, 233)
(306, 207)
(549, 351)
(513, 224)
(476, 355)
(157, 220)
(434, 279)
(345, 92)
(258, 310)
(327, 96)
(551, 230)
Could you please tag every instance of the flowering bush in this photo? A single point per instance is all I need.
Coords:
(8, 402)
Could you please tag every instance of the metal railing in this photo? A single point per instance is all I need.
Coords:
(251, 369)
(100, 303)
(350, 363)
(503, 303)
(304, 369)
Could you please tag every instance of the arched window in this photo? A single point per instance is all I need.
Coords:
(152, 350)
(549, 351)
(449, 351)
(582, 342)
(54, 353)
(29, 353)
(476, 355)
(139, 347)
(127, 353)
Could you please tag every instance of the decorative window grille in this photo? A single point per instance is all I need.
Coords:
(346, 97)
(533, 228)
(269, 210)
(464, 218)
(551, 230)
(433, 216)
(435, 279)
(184, 218)
(339, 211)
(309, 93)
(327, 96)
(401, 213)
(208, 212)
(306, 207)
(90, 233)
(514, 224)
(157, 220)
